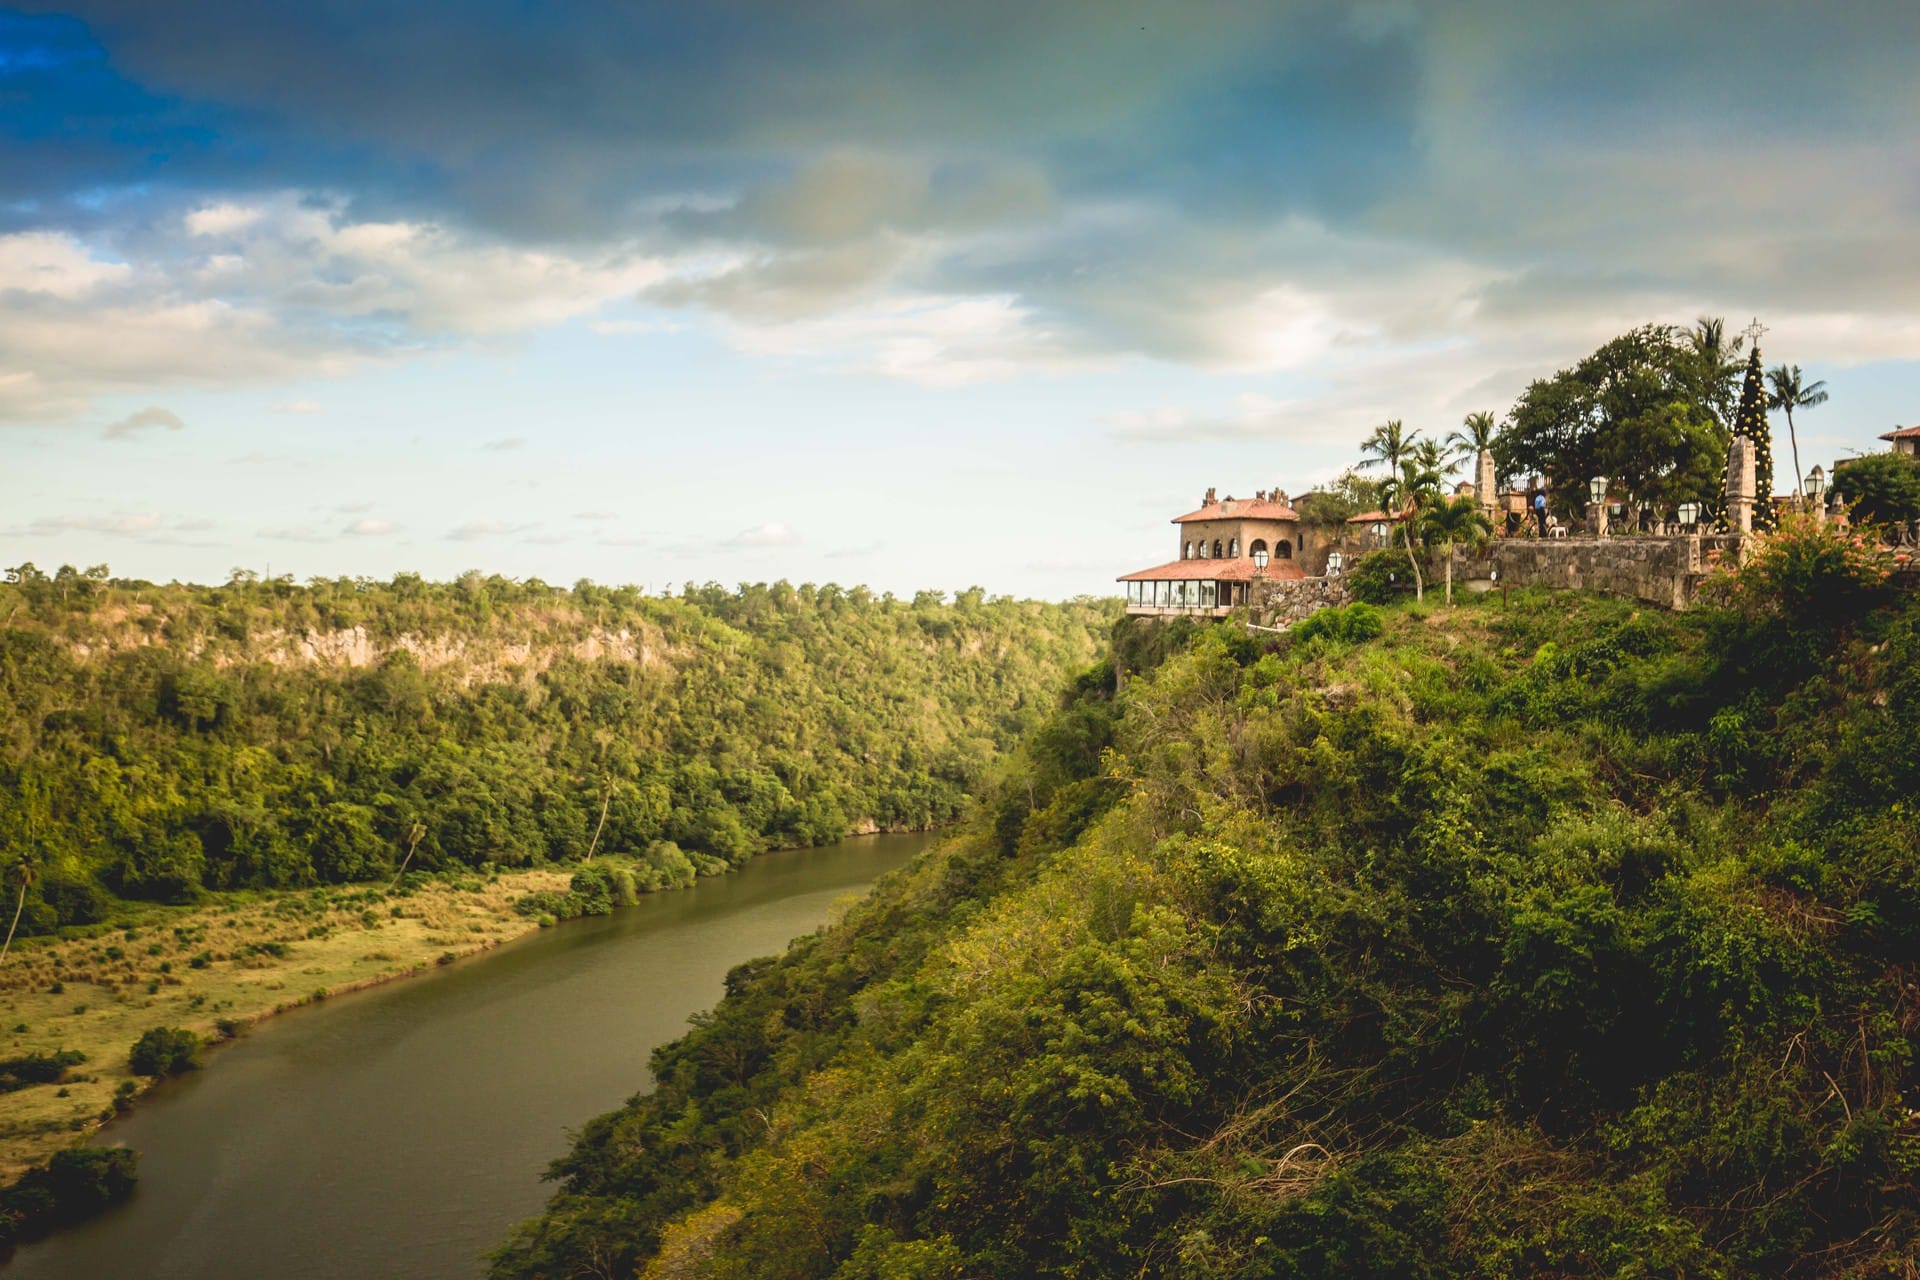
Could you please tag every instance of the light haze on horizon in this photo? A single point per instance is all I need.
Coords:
(905, 295)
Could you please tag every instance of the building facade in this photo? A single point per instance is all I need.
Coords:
(1225, 547)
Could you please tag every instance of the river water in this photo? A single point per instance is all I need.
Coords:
(402, 1131)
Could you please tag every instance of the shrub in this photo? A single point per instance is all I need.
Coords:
(1378, 576)
(591, 891)
(37, 1068)
(165, 1051)
(1348, 625)
(1807, 570)
(71, 1187)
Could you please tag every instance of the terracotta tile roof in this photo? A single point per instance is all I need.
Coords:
(1902, 433)
(1240, 509)
(1241, 570)
(1375, 517)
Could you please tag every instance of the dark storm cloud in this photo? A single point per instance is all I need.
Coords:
(1203, 182)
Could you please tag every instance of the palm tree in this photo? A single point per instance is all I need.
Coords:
(1451, 523)
(1789, 394)
(1387, 446)
(24, 870)
(1404, 494)
(1715, 367)
(1474, 436)
(1432, 458)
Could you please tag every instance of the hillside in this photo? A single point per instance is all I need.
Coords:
(156, 742)
(1552, 938)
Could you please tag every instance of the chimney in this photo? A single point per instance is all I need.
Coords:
(1208, 501)
(1280, 497)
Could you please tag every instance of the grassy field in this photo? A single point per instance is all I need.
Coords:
(215, 967)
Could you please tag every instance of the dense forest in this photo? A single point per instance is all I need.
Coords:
(159, 741)
(1542, 936)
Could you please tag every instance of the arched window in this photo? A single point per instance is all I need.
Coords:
(1216, 548)
(1233, 548)
(1186, 552)
(1258, 547)
(1283, 549)
(1200, 550)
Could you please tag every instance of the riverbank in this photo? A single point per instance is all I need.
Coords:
(216, 967)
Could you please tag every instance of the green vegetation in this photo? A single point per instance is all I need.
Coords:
(1562, 938)
(75, 1184)
(160, 742)
(1652, 409)
(1881, 488)
(165, 1051)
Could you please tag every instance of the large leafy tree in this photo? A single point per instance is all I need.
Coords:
(1635, 410)
(1787, 391)
(1347, 494)
(1881, 488)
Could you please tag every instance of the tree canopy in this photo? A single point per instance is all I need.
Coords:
(1639, 410)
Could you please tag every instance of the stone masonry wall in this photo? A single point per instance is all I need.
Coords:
(1662, 571)
(1285, 601)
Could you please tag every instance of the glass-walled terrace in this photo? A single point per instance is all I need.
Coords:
(1188, 595)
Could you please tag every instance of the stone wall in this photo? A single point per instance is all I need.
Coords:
(1283, 602)
(1659, 570)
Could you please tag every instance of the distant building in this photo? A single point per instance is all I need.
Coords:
(1904, 440)
(1225, 546)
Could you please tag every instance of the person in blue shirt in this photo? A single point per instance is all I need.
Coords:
(1540, 511)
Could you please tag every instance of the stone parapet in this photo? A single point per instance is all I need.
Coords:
(1663, 571)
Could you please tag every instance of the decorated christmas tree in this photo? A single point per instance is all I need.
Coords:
(1751, 422)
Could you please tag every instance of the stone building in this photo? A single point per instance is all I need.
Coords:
(1904, 440)
(1227, 547)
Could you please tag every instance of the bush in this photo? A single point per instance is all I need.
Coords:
(71, 1187)
(1378, 576)
(165, 1051)
(1349, 625)
(1807, 571)
(591, 891)
(37, 1068)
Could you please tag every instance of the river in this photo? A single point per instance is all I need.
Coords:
(402, 1131)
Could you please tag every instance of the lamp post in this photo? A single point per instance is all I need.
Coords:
(1597, 489)
(1816, 485)
(1689, 515)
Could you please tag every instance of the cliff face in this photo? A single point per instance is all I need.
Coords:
(1565, 938)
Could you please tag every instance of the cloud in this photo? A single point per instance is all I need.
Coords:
(1318, 193)
(122, 526)
(151, 416)
(354, 508)
(475, 530)
(762, 536)
(295, 533)
(296, 406)
(505, 443)
(370, 528)
(300, 288)
(221, 219)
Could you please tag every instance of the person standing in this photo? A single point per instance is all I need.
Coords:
(1540, 510)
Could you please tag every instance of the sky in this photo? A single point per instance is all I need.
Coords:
(911, 295)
